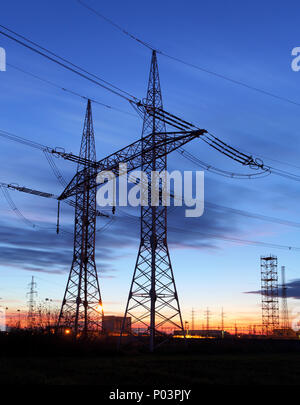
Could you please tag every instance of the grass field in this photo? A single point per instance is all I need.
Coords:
(46, 360)
(153, 370)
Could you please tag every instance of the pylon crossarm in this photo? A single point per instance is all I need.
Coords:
(129, 151)
(44, 194)
(135, 155)
(28, 190)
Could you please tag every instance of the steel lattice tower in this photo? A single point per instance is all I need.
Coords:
(269, 294)
(153, 301)
(81, 309)
(31, 321)
(285, 313)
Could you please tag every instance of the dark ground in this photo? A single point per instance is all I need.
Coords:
(27, 359)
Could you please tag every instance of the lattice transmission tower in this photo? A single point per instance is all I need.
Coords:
(81, 309)
(269, 294)
(153, 300)
(207, 314)
(284, 312)
(222, 319)
(31, 316)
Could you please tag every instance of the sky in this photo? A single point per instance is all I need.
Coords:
(250, 43)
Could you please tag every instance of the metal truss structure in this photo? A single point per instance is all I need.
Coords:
(153, 291)
(31, 317)
(285, 324)
(269, 294)
(153, 301)
(81, 309)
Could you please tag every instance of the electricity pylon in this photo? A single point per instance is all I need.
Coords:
(153, 291)
(207, 314)
(81, 309)
(31, 321)
(153, 301)
(285, 313)
(222, 319)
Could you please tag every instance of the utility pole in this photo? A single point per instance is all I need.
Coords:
(81, 309)
(153, 300)
(31, 304)
(285, 313)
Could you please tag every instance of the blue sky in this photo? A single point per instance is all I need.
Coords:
(251, 43)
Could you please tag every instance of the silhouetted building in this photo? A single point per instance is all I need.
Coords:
(288, 333)
(113, 324)
(212, 333)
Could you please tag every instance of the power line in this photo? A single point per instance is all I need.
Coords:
(200, 68)
(237, 240)
(107, 225)
(214, 142)
(234, 211)
(46, 150)
(267, 170)
(209, 138)
(221, 172)
(133, 218)
(118, 26)
(273, 160)
(182, 151)
(24, 141)
(15, 209)
(61, 58)
(249, 214)
(72, 92)
(56, 171)
(176, 229)
(186, 154)
(113, 89)
(21, 216)
(234, 81)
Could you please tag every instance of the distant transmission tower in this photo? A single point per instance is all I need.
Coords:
(81, 309)
(153, 300)
(269, 294)
(207, 313)
(285, 313)
(222, 319)
(31, 320)
(193, 319)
